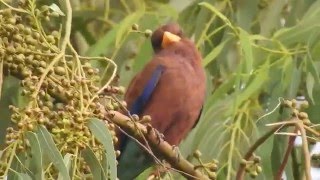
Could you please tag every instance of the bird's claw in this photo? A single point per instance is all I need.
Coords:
(177, 152)
(160, 136)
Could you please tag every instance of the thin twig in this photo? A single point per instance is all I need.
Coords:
(286, 156)
(64, 43)
(306, 153)
(13, 8)
(248, 155)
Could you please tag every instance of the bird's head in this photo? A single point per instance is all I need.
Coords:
(165, 36)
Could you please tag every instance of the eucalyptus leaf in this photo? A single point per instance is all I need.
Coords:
(50, 150)
(23, 176)
(36, 158)
(247, 50)
(214, 53)
(95, 165)
(56, 9)
(101, 132)
(68, 162)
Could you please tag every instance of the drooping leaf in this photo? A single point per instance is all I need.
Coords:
(67, 161)
(247, 50)
(214, 53)
(36, 158)
(51, 151)
(101, 132)
(94, 164)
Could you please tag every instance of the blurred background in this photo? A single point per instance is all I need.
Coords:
(255, 52)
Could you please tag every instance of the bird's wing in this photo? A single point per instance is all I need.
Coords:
(200, 113)
(137, 98)
(149, 88)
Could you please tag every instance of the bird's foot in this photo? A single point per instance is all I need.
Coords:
(160, 136)
(159, 171)
(177, 152)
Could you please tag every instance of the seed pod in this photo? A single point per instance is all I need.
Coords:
(258, 169)
(19, 58)
(43, 64)
(197, 154)
(59, 70)
(55, 34)
(12, 20)
(147, 33)
(305, 104)
(27, 30)
(294, 103)
(253, 174)
(25, 73)
(17, 37)
(36, 35)
(302, 115)
(256, 159)
(31, 40)
(212, 175)
(50, 39)
(11, 50)
(135, 27)
(287, 104)
(20, 27)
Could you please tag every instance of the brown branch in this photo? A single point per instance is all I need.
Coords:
(295, 166)
(286, 156)
(260, 141)
(306, 153)
(299, 125)
(162, 149)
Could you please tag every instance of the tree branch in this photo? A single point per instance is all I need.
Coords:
(162, 149)
(260, 141)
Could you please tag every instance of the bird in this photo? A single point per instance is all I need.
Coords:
(170, 89)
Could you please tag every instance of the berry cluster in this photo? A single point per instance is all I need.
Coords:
(61, 92)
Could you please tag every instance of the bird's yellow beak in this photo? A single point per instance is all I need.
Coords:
(169, 38)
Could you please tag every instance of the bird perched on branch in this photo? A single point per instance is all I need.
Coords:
(170, 88)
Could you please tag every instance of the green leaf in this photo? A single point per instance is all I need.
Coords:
(36, 158)
(125, 26)
(56, 9)
(17, 166)
(67, 161)
(246, 49)
(142, 58)
(302, 30)
(101, 132)
(216, 12)
(312, 68)
(51, 151)
(94, 164)
(100, 46)
(313, 11)
(23, 176)
(145, 174)
(116, 35)
(269, 18)
(310, 85)
(214, 53)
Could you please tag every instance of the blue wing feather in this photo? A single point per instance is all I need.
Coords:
(140, 102)
(130, 150)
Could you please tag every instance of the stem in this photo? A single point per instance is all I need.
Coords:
(65, 41)
(306, 153)
(260, 141)
(286, 156)
(295, 165)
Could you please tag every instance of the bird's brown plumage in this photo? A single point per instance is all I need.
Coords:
(176, 102)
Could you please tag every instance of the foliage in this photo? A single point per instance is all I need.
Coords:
(256, 53)
(59, 96)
